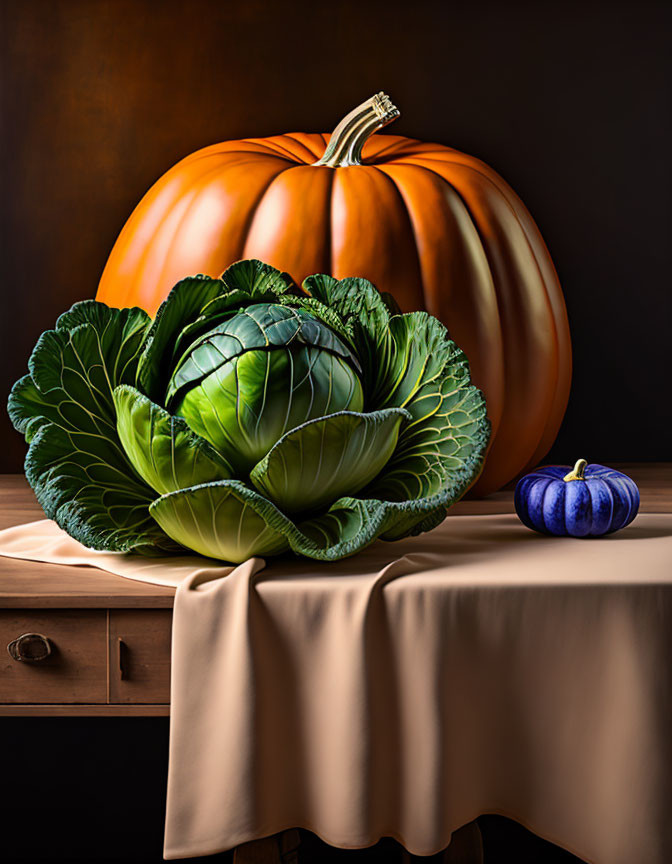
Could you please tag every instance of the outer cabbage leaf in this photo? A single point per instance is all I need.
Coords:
(323, 313)
(441, 450)
(222, 307)
(222, 520)
(351, 524)
(165, 452)
(356, 301)
(179, 309)
(261, 282)
(28, 409)
(75, 462)
(92, 495)
(321, 460)
(364, 313)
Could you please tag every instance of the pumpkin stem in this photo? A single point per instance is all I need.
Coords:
(577, 472)
(348, 138)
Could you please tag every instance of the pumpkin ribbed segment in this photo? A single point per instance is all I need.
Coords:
(436, 228)
(288, 226)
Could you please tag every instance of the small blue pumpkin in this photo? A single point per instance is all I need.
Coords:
(588, 501)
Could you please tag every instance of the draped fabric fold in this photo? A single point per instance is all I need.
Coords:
(403, 692)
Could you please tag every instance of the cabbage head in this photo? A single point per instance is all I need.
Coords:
(250, 417)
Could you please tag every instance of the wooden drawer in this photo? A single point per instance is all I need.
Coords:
(140, 656)
(75, 670)
(98, 657)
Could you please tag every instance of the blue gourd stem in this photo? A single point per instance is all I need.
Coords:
(577, 472)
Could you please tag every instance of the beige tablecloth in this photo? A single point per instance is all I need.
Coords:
(505, 672)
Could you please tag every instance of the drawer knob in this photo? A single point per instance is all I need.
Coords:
(30, 648)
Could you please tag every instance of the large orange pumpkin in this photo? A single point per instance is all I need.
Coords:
(438, 229)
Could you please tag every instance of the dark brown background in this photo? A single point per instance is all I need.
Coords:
(569, 102)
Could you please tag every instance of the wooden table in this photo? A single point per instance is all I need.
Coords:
(110, 637)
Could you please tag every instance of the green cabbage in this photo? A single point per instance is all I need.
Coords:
(249, 418)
